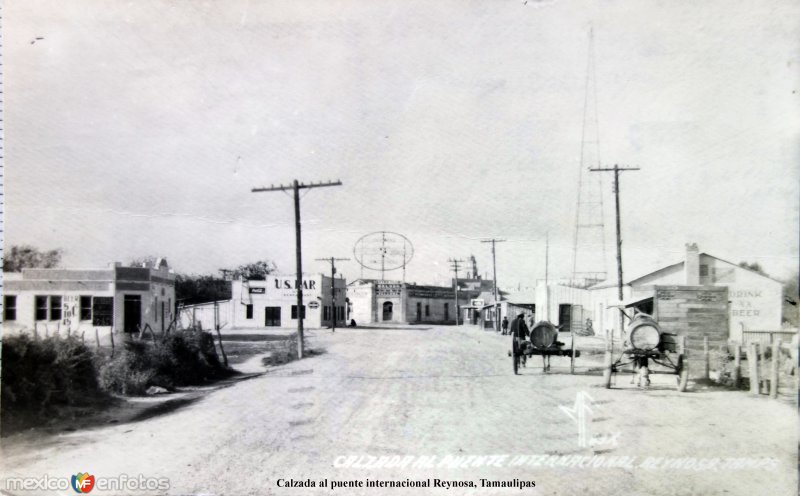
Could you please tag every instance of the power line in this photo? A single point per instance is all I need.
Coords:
(296, 187)
(616, 170)
(454, 266)
(333, 261)
(493, 241)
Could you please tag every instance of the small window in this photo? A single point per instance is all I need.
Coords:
(86, 308)
(704, 270)
(427, 310)
(10, 307)
(326, 312)
(155, 309)
(302, 312)
(102, 311)
(55, 308)
(340, 310)
(248, 311)
(446, 311)
(41, 308)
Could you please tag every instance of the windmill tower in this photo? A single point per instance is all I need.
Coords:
(589, 247)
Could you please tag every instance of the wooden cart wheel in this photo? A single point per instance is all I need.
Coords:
(572, 352)
(607, 371)
(683, 373)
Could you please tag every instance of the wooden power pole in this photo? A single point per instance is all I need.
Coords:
(333, 261)
(616, 170)
(494, 275)
(454, 265)
(296, 187)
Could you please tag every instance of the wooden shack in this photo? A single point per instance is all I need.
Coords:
(696, 312)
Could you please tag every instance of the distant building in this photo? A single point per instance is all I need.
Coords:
(373, 300)
(273, 303)
(116, 299)
(754, 300)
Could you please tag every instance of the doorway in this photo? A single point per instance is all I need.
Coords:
(564, 317)
(132, 313)
(419, 311)
(387, 310)
(272, 316)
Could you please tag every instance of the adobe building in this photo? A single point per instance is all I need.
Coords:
(382, 301)
(273, 303)
(117, 299)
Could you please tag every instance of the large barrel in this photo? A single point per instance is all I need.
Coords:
(644, 332)
(543, 334)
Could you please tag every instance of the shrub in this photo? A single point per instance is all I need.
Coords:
(182, 358)
(41, 375)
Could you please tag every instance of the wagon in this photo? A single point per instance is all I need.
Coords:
(543, 342)
(647, 343)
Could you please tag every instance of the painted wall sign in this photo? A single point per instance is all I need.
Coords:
(257, 290)
(313, 304)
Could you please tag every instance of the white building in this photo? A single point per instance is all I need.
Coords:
(754, 300)
(273, 303)
(116, 299)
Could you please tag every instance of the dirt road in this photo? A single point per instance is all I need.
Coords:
(421, 404)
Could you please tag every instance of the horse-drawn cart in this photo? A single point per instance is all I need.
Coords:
(543, 342)
(646, 342)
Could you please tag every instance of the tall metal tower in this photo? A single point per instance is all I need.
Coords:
(589, 247)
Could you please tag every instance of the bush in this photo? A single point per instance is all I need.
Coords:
(41, 375)
(182, 358)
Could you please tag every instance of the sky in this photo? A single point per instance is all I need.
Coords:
(139, 128)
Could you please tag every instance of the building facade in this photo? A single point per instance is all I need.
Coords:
(382, 301)
(273, 303)
(754, 300)
(90, 301)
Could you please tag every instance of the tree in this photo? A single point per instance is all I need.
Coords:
(256, 271)
(192, 289)
(755, 267)
(26, 256)
(791, 303)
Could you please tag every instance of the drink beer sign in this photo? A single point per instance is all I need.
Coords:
(382, 251)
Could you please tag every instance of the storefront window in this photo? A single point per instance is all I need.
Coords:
(86, 308)
(10, 307)
(55, 308)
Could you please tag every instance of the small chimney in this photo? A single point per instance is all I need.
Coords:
(692, 265)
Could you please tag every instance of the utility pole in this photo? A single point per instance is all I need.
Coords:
(454, 265)
(296, 187)
(493, 241)
(616, 170)
(333, 261)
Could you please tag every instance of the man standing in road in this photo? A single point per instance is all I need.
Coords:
(505, 326)
(520, 332)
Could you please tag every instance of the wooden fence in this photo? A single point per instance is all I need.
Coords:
(766, 338)
(770, 369)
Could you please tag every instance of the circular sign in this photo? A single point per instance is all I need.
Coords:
(383, 250)
(313, 304)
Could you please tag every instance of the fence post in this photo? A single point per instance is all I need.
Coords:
(35, 332)
(737, 364)
(83, 335)
(752, 362)
(706, 359)
(112, 342)
(776, 358)
(97, 337)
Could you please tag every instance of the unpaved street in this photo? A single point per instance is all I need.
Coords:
(438, 392)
